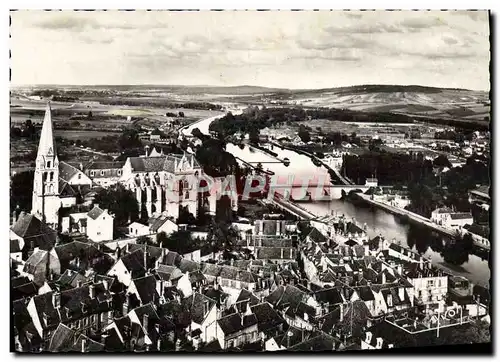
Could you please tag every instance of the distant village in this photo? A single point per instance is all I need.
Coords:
(286, 285)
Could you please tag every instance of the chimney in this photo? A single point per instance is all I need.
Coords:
(282, 253)
(278, 224)
(368, 338)
(145, 254)
(341, 312)
(421, 263)
(91, 291)
(291, 253)
(56, 299)
(78, 283)
(145, 321)
(105, 283)
(84, 345)
(103, 339)
(206, 306)
(126, 305)
(242, 316)
(367, 250)
(400, 269)
(383, 278)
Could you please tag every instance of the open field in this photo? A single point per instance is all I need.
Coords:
(82, 135)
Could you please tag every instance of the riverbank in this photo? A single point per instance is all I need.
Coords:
(414, 218)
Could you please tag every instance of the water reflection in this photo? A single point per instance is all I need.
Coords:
(433, 246)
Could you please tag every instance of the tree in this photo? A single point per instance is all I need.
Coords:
(441, 161)
(304, 134)
(197, 133)
(120, 202)
(161, 237)
(21, 190)
(129, 139)
(254, 135)
(144, 240)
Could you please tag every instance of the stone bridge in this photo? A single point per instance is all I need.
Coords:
(316, 192)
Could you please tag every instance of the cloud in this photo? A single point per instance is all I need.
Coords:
(360, 28)
(331, 42)
(197, 47)
(63, 21)
(423, 22)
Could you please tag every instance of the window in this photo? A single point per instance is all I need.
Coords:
(48, 164)
(230, 343)
(430, 283)
(91, 173)
(119, 172)
(79, 176)
(102, 172)
(439, 283)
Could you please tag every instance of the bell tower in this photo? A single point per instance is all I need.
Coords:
(46, 202)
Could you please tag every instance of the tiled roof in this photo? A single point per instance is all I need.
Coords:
(246, 295)
(65, 189)
(196, 305)
(168, 272)
(146, 288)
(39, 256)
(365, 294)
(288, 295)
(95, 212)
(101, 165)
(267, 317)
(330, 296)
(157, 164)
(15, 246)
(62, 338)
(26, 290)
(443, 210)
(322, 342)
(157, 222)
(71, 304)
(461, 215)
(34, 231)
(90, 345)
(316, 236)
(268, 253)
(66, 171)
(235, 322)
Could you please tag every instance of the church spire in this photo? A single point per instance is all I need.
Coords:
(46, 147)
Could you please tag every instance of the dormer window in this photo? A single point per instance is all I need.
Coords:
(102, 172)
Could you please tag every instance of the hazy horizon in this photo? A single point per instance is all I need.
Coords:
(237, 86)
(296, 50)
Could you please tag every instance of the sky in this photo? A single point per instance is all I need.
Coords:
(285, 49)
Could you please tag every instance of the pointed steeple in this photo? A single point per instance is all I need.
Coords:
(46, 147)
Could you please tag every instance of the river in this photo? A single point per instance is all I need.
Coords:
(377, 221)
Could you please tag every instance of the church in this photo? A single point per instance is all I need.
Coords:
(151, 177)
(55, 182)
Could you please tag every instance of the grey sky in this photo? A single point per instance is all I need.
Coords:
(278, 49)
